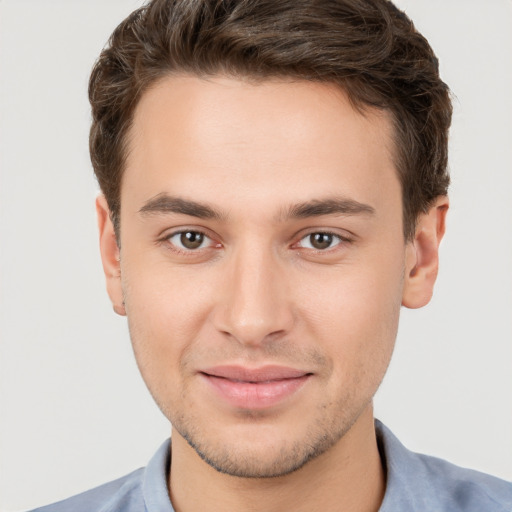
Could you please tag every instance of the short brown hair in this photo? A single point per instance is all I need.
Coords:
(368, 47)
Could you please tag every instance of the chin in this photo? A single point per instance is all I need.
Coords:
(260, 451)
(256, 462)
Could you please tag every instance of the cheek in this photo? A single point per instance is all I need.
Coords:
(166, 310)
(162, 295)
(355, 313)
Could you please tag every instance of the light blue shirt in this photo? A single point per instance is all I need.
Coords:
(415, 483)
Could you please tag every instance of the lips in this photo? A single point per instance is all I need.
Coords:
(254, 388)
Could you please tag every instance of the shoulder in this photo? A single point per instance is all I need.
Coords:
(466, 489)
(419, 482)
(144, 489)
(122, 494)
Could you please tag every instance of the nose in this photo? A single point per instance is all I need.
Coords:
(254, 302)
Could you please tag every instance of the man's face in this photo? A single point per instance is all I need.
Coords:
(262, 263)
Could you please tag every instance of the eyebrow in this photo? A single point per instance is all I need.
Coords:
(163, 204)
(329, 206)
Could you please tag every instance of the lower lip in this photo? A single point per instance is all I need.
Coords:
(255, 395)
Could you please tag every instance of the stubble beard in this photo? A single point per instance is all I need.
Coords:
(288, 457)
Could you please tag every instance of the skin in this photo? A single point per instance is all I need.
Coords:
(257, 291)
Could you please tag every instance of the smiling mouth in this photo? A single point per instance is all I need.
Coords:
(257, 388)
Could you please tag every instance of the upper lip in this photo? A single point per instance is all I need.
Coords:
(260, 374)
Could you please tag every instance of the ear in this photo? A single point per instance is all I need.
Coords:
(110, 255)
(422, 255)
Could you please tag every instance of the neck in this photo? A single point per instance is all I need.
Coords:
(348, 477)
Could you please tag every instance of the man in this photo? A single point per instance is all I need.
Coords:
(274, 189)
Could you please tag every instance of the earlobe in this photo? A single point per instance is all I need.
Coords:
(422, 255)
(110, 255)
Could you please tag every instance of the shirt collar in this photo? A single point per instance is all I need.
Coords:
(154, 485)
(407, 477)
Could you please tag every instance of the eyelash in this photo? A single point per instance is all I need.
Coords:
(341, 240)
(189, 252)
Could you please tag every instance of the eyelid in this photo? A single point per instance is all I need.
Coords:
(165, 238)
(343, 239)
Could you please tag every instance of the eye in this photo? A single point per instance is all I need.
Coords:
(320, 241)
(189, 240)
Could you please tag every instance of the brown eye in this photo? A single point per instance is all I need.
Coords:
(191, 239)
(321, 240)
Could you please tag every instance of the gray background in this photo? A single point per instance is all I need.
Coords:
(74, 411)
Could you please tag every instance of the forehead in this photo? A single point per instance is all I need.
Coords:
(235, 140)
